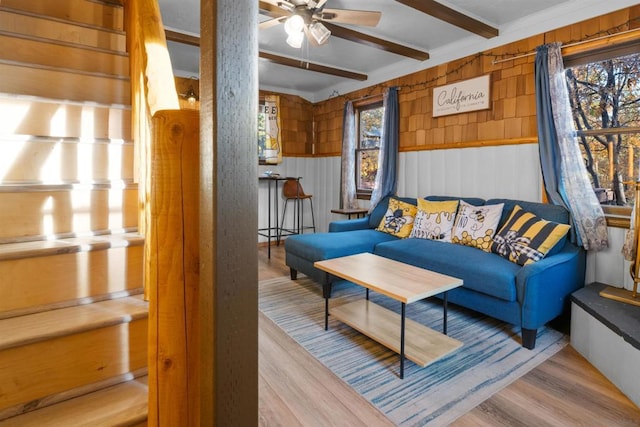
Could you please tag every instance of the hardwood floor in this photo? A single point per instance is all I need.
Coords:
(297, 390)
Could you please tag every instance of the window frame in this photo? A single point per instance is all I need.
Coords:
(364, 105)
(616, 216)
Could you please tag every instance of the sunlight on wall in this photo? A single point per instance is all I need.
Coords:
(50, 171)
(87, 135)
(87, 123)
(11, 148)
(11, 116)
(58, 123)
(116, 153)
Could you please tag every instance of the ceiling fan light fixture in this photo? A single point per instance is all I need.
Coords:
(295, 39)
(294, 24)
(288, 6)
(319, 32)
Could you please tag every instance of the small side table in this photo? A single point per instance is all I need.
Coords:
(358, 212)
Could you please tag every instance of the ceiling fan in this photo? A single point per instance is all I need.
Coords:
(311, 18)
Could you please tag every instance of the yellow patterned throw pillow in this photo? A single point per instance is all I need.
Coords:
(398, 220)
(434, 220)
(526, 238)
(476, 225)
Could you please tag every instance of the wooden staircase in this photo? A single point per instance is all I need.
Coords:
(73, 323)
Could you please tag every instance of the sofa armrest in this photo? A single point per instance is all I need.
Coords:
(349, 224)
(543, 287)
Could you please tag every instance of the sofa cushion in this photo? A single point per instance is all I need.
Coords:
(321, 246)
(544, 210)
(481, 271)
(434, 220)
(398, 219)
(476, 225)
(475, 201)
(526, 238)
(379, 211)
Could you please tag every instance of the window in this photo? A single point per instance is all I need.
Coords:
(604, 92)
(369, 129)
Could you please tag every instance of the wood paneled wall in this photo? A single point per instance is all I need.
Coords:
(510, 120)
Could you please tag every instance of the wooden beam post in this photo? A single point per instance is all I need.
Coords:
(228, 213)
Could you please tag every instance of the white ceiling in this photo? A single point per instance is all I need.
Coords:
(515, 20)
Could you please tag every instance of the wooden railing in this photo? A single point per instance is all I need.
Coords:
(167, 162)
(172, 269)
(152, 84)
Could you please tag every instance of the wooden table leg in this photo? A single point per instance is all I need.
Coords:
(326, 313)
(402, 321)
(444, 309)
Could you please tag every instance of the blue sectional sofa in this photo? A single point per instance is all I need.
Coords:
(528, 296)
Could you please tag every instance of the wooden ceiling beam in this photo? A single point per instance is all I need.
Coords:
(289, 62)
(367, 40)
(446, 14)
(305, 65)
(271, 10)
(184, 38)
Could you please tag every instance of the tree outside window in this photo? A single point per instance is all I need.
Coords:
(605, 100)
(369, 121)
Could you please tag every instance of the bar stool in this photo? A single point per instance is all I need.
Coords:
(292, 190)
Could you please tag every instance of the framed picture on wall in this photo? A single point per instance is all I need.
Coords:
(269, 130)
(462, 96)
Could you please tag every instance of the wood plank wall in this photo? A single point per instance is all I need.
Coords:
(510, 120)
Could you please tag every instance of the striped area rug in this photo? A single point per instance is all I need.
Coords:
(490, 359)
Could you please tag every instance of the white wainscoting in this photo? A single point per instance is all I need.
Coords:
(511, 171)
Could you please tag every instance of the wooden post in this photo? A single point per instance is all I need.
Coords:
(171, 265)
(611, 167)
(228, 213)
(630, 163)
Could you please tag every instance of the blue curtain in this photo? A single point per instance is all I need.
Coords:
(348, 197)
(563, 170)
(387, 176)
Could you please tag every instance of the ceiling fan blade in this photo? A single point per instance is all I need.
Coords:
(367, 40)
(367, 18)
(271, 10)
(270, 23)
(446, 14)
(316, 4)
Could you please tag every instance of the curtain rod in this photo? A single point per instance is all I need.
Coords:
(524, 55)
(398, 88)
(365, 97)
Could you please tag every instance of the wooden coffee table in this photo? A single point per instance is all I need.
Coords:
(404, 283)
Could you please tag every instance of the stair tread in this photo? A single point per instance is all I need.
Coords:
(27, 23)
(69, 245)
(60, 54)
(122, 404)
(36, 327)
(71, 45)
(81, 12)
